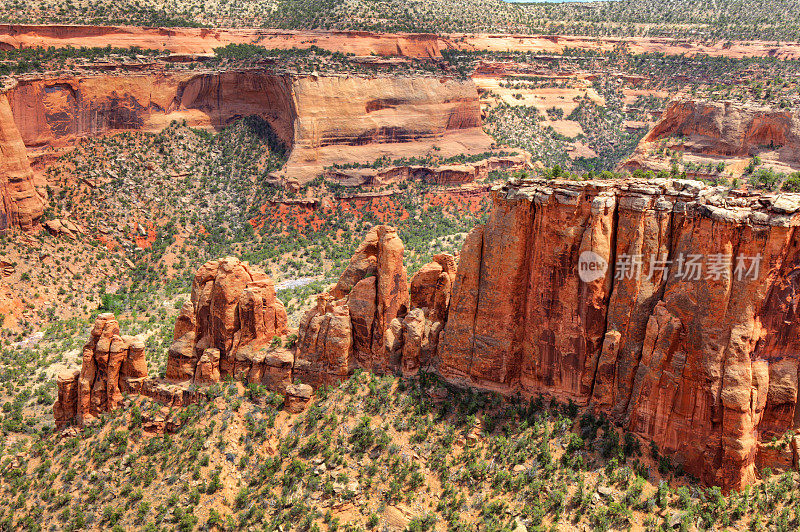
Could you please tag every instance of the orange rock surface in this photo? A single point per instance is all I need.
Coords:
(704, 367)
(349, 327)
(322, 119)
(557, 44)
(727, 132)
(57, 110)
(228, 327)
(21, 205)
(112, 364)
(204, 40)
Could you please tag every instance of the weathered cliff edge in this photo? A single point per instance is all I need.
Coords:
(722, 130)
(204, 40)
(706, 368)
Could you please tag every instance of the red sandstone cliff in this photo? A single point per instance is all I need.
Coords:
(684, 330)
(722, 131)
(359, 119)
(729, 128)
(204, 40)
(322, 119)
(21, 205)
(704, 367)
(58, 110)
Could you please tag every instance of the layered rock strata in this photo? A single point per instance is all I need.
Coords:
(321, 120)
(204, 40)
(450, 174)
(112, 365)
(667, 304)
(721, 133)
(231, 327)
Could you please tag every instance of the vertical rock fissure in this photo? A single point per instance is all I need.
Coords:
(477, 304)
(726, 353)
(658, 299)
(519, 339)
(613, 272)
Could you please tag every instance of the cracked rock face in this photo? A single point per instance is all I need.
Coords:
(351, 326)
(680, 338)
(21, 204)
(228, 328)
(112, 364)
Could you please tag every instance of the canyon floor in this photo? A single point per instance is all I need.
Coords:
(134, 151)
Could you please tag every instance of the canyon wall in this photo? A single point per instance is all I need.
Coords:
(729, 128)
(377, 110)
(204, 40)
(322, 119)
(57, 110)
(21, 205)
(666, 304)
(421, 45)
(558, 44)
(724, 132)
(359, 119)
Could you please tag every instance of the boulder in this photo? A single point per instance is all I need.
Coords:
(297, 397)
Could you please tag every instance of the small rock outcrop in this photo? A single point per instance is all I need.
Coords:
(350, 327)
(231, 327)
(297, 397)
(112, 365)
(66, 406)
(430, 300)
